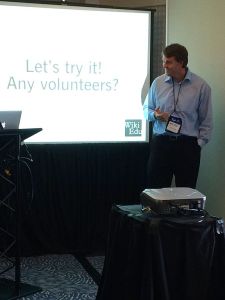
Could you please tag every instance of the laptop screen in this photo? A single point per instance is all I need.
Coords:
(10, 119)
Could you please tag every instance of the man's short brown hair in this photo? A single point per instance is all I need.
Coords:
(178, 51)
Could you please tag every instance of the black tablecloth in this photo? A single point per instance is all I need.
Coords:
(163, 258)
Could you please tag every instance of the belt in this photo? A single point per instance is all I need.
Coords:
(177, 137)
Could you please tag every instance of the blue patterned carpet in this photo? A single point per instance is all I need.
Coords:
(61, 277)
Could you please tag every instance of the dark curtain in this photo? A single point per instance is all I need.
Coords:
(74, 187)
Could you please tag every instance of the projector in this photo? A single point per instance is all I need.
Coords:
(171, 200)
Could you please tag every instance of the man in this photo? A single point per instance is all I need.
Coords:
(179, 106)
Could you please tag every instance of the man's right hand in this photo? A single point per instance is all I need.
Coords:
(161, 116)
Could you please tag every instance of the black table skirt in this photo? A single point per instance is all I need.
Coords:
(163, 258)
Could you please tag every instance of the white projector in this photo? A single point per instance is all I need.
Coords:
(171, 200)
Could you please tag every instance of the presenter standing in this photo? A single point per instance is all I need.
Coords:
(179, 106)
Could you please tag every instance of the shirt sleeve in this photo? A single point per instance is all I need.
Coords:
(149, 103)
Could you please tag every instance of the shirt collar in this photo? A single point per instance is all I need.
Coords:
(187, 77)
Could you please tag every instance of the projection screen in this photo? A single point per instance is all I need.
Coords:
(77, 72)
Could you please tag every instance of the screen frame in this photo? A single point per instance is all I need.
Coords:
(69, 4)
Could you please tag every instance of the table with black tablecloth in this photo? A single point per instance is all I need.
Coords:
(153, 257)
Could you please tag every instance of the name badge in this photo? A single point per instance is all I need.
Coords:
(173, 124)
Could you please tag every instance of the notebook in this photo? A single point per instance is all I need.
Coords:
(10, 119)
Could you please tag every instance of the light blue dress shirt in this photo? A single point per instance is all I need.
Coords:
(191, 101)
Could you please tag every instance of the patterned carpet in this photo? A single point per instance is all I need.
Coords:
(61, 277)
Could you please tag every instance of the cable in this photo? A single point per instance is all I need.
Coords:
(7, 167)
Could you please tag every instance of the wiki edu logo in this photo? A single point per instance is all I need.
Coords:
(133, 127)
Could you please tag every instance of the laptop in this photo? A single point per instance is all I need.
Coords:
(10, 119)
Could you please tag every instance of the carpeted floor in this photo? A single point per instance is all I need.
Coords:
(61, 277)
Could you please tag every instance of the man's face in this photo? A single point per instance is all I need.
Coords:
(172, 67)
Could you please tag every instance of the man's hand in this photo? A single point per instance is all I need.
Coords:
(161, 116)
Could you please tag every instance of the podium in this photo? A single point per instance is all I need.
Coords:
(10, 212)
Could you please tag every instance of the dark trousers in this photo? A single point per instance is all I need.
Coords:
(171, 156)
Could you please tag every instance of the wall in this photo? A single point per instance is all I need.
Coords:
(200, 26)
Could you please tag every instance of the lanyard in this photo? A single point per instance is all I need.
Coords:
(175, 101)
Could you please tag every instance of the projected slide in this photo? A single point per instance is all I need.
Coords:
(78, 73)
